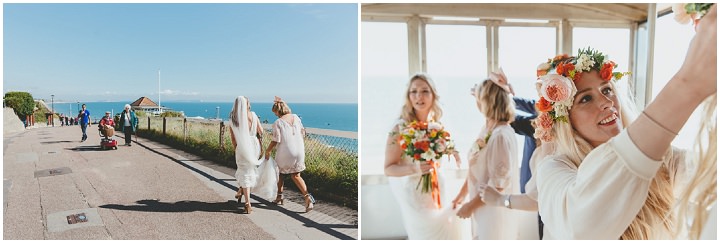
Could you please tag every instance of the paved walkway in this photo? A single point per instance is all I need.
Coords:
(146, 191)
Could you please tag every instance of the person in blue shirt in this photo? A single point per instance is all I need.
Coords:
(84, 117)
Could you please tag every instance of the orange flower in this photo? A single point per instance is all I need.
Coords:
(564, 68)
(577, 77)
(416, 156)
(422, 145)
(606, 71)
(543, 105)
(403, 146)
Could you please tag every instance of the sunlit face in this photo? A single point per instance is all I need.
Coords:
(595, 113)
(420, 95)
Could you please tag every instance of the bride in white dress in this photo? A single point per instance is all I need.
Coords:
(492, 162)
(244, 130)
(422, 219)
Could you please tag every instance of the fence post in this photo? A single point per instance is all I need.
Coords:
(164, 123)
(148, 123)
(185, 130)
(222, 132)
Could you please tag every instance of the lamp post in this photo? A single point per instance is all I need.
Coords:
(52, 113)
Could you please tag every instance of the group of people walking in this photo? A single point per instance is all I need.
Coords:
(265, 176)
(600, 170)
(128, 122)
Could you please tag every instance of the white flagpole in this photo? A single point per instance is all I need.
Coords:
(159, 102)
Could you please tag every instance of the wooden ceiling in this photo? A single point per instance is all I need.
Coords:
(592, 12)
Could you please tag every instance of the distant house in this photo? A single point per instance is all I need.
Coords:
(147, 105)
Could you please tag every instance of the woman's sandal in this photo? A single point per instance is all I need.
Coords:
(248, 208)
(279, 199)
(309, 202)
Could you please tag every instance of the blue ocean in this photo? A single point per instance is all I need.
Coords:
(342, 117)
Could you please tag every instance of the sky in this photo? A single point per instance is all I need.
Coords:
(304, 53)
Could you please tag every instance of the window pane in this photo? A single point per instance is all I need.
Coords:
(671, 44)
(456, 60)
(384, 78)
(521, 50)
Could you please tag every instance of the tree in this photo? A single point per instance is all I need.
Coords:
(21, 102)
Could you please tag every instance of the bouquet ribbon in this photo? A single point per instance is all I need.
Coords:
(435, 191)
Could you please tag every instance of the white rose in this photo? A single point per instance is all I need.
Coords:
(428, 155)
(434, 125)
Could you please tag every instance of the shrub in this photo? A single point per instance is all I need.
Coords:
(21, 102)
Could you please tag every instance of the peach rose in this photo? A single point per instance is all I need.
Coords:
(556, 88)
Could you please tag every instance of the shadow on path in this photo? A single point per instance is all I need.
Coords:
(152, 205)
(54, 142)
(87, 148)
(326, 228)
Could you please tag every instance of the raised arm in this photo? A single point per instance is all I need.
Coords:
(653, 131)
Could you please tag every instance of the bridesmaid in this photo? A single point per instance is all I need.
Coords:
(492, 162)
(288, 134)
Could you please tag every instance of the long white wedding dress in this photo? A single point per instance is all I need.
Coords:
(261, 176)
(422, 219)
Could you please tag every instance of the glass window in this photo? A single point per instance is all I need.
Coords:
(672, 40)
(456, 60)
(384, 79)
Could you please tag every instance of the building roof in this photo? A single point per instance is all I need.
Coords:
(143, 102)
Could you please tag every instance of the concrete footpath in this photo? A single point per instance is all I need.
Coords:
(56, 187)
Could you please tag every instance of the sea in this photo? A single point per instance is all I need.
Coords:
(343, 117)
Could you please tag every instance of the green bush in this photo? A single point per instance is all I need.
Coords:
(21, 102)
(171, 114)
(39, 115)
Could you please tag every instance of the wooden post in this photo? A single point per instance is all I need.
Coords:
(164, 123)
(185, 130)
(222, 132)
(148, 123)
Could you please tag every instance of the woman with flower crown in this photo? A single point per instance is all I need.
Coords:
(612, 176)
(422, 217)
(492, 162)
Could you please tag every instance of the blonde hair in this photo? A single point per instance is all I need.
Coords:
(281, 108)
(660, 195)
(408, 113)
(701, 190)
(494, 102)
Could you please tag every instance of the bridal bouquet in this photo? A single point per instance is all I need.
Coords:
(426, 142)
(687, 12)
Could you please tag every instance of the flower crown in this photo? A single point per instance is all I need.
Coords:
(556, 85)
(686, 12)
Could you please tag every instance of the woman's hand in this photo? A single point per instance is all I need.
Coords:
(426, 168)
(458, 161)
(465, 211)
(459, 199)
(492, 196)
(267, 155)
(699, 70)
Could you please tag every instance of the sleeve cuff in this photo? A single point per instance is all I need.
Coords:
(634, 159)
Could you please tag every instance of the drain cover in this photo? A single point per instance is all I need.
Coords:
(76, 218)
(52, 172)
